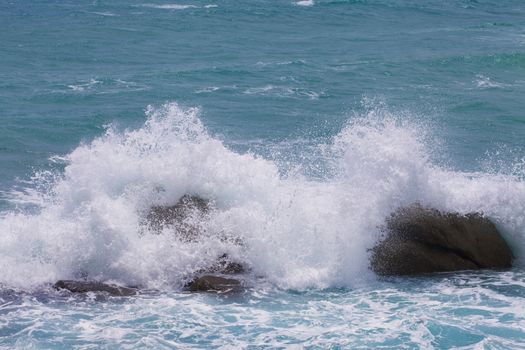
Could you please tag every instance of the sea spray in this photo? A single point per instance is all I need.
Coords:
(296, 232)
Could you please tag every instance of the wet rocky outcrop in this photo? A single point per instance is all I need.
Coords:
(213, 283)
(185, 217)
(219, 277)
(421, 240)
(187, 220)
(93, 286)
(225, 265)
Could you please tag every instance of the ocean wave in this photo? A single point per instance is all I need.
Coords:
(169, 6)
(305, 3)
(282, 91)
(84, 85)
(485, 82)
(298, 62)
(297, 232)
(102, 86)
(105, 14)
(211, 89)
(177, 6)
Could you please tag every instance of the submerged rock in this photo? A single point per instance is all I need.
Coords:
(187, 220)
(225, 265)
(211, 283)
(423, 240)
(91, 286)
(185, 217)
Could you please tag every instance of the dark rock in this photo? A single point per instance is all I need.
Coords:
(422, 240)
(226, 266)
(185, 217)
(210, 283)
(222, 266)
(91, 286)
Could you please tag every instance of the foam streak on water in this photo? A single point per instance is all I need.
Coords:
(296, 232)
(471, 311)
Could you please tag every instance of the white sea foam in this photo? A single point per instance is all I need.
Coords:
(105, 14)
(281, 63)
(106, 86)
(169, 6)
(297, 232)
(207, 89)
(282, 91)
(465, 311)
(177, 6)
(305, 3)
(84, 86)
(485, 82)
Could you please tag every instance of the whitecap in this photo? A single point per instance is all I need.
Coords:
(207, 89)
(105, 14)
(305, 3)
(282, 91)
(84, 86)
(485, 82)
(169, 6)
(297, 232)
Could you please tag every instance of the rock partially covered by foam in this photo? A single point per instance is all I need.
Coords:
(187, 220)
(185, 217)
(225, 265)
(422, 240)
(217, 284)
(92, 286)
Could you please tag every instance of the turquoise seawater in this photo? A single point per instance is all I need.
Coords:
(305, 122)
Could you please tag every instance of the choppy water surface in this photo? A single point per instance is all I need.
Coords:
(305, 122)
(478, 310)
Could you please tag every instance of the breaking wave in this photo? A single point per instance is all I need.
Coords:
(296, 232)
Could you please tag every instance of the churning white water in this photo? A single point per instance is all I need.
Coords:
(295, 232)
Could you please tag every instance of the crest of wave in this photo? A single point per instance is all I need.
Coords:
(89, 220)
(296, 232)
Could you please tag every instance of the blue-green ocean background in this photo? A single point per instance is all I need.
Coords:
(68, 68)
(274, 78)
